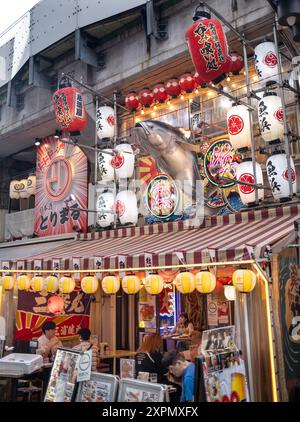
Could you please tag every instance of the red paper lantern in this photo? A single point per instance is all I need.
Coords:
(55, 304)
(69, 108)
(146, 97)
(132, 101)
(208, 48)
(173, 87)
(159, 93)
(237, 63)
(199, 81)
(187, 82)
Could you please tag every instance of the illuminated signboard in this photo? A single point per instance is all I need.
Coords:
(162, 196)
(61, 188)
(220, 161)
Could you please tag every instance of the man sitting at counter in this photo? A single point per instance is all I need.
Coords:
(48, 342)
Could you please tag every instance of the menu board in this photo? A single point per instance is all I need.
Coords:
(101, 388)
(62, 385)
(223, 367)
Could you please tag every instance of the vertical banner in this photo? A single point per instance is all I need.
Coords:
(5, 265)
(55, 264)
(122, 264)
(76, 267)
(212, 312)
(98, 265)
(21, 265)
(180, 257)
(61, 189)
(37, 264)
(148, 261)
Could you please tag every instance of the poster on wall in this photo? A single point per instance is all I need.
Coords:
(33, 311)
(61, 189)
(289, 285)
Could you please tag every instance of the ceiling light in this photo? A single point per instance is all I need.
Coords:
(37, 142)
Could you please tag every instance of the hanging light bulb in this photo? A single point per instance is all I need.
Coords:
(196, 91)
(142, 111)
(155, 107)
(228, 79)
(182, 97)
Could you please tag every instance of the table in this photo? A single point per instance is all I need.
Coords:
(174, 338)
(116, 354)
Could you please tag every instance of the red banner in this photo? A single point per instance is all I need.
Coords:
(33, 312)
(61, 188)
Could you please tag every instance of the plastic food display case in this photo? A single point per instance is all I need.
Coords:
(20, 364)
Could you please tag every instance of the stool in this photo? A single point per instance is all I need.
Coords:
(28, 392)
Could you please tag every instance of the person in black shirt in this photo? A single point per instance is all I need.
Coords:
(148, 357)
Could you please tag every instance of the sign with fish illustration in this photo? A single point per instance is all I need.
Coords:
(221, 160)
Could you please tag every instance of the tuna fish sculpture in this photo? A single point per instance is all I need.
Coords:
(173, 156)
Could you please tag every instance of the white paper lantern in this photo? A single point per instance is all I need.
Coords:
(277, 172)
(123, 161)
(230, 292)
(14, 189)
(270, 117)
(126, 207)
(23, 189)
(106, 170)
(105, 202)
(105, 122)
(238, 124)
(31, 185)
(244, 173)
(266, 62)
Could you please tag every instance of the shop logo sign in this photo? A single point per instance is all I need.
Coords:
(58, 178)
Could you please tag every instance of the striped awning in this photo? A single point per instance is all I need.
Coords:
(225, 238)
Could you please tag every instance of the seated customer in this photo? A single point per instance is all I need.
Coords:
(148, 357)
(183, 326)
(48, 342)
(86, 344)
(186, 370)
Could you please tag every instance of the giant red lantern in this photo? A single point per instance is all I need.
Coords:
(69, 108)
(132, 101)
(159, 93)
(146, 97)
(237, 63)
(187, 82)
(55, 304)
(173, 88)
(208, 48)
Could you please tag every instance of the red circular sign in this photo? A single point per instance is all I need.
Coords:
(270, 59)
(285, 175)
(117, 161)
(58, 178)
(235, 124)
(248, 178)
(120, 208)
(278, 114)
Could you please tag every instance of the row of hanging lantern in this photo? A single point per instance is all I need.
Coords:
(185, 282)
(270, 117)
(173, 88)
(125, 206)
(22, 188)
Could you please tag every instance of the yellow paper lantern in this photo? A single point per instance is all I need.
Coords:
(37, 283)
(89, 284)
(8, 282)
(110, 284)
(131, 284)
(244, 280)
(66, 284)
(154, 284)
(230, 292)
(23, 282)
(185, 282)
(51, 283)
(205, 281)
